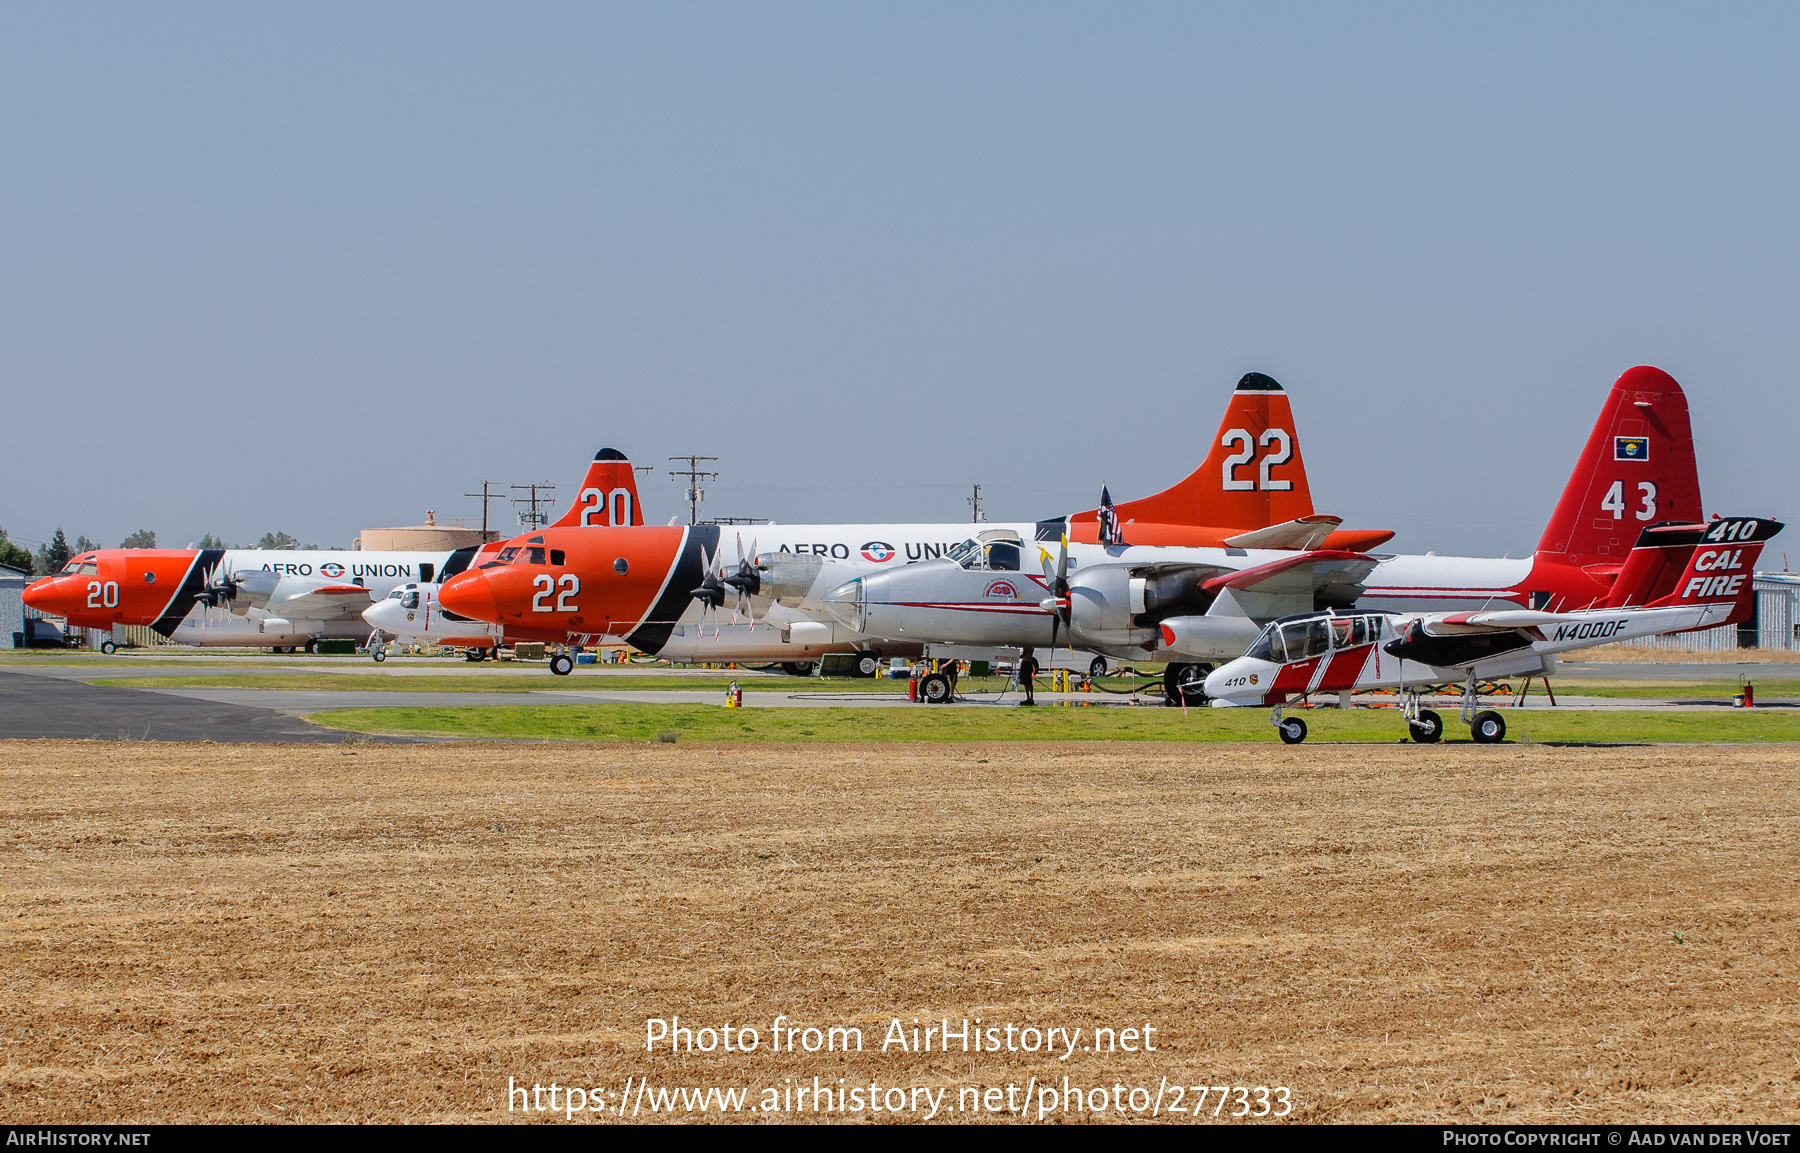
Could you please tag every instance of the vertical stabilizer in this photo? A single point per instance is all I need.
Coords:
(608, 496)
(1637, 470)
(1253, 476)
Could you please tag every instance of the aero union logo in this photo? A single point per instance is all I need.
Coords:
(878, 551)
(1002, 589)
(332, 569)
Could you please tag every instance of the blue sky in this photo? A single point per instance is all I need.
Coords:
(324, 269)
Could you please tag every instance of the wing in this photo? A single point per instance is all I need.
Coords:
(1295, 584)
(324, 602)
(1308, 532)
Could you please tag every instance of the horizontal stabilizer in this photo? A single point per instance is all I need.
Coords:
(1307, 532)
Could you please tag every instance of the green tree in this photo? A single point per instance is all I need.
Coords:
(142, 538)
(53, 556)
(83, 544)
(277, 540)
(14, 556)
(211, 541)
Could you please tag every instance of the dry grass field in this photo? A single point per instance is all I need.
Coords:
(209, 932)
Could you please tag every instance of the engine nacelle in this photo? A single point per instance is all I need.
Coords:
(940, 601)
(1209, 639)
(1120, 606)
(797, 581)
(253, 589)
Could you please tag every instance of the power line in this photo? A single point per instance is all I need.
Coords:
(695, 491)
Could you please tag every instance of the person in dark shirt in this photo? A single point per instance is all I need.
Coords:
(1028, 668)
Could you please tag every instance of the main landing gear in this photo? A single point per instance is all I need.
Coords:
(1487, 726)
(1181, 687)
(562, 664)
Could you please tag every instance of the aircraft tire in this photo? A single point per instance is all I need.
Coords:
(1096, 668)
(867, 664)
(471, 655)
(935, 689)
(1489, 727)
(1177, 675)
(1428, 729)
(379, 655)
(108, 648)
(797, 668)
(312, 645)
(1292, 730)
(562, 664)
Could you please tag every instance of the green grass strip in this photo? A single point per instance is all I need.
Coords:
(633, 722)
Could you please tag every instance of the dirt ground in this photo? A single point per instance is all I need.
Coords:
(216, 932)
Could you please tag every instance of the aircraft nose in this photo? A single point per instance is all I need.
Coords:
(469, 595)
(1214, 685)
(46, 596)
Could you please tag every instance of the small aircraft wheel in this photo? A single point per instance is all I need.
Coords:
(1177, 676)
(562, 664)
(935, 689)
(1293, 731)
(379, 655)
(797, 668)
(108, 648)
(1096, 668)
(1428, 729)
(471, 654)
(867, 664)
(312, 645)
(1489, 727)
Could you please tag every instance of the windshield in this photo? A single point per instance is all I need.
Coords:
(1306, 639)
(1267, 646)
(964, 554)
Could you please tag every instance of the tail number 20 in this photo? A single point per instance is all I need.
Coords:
(1247, 452)
(547, 584)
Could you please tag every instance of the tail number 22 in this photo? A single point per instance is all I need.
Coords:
(547, 584)
(1247, 451)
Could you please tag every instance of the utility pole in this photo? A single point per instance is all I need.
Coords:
(695, 492)
(485, 496)
(975, 500)
(534, 519)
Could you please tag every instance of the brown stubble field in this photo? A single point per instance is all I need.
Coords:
(387, 933)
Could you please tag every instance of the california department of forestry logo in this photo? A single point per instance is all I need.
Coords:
(1003, 589)
(1631, 448)
(878, 551)
(1252, 678)
(332, 569)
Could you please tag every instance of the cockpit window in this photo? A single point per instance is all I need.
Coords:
(506, 556)
(1266, 646)
(537, 555)
(410, 600)
(1306, 639)
(89, 568)
(396, 594)
(1000, 556)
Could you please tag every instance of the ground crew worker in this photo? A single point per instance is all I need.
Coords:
(1028, 668)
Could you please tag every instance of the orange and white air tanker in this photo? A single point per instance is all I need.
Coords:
(667, 590)
(285, 599)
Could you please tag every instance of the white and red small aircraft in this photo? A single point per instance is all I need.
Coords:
(1678, 577)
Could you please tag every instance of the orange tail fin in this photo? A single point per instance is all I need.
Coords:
(1253, 476)
(608, 495)
(1637, 470)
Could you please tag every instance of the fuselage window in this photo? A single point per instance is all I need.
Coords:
(620, 567)
(556, 557)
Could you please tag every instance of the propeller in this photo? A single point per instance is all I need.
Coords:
(221, 592)
(1057, 578)
(745, 580)
(711, 593)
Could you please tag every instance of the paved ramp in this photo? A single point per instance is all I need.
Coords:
(37, 707)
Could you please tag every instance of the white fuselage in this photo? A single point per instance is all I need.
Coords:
(379, 572)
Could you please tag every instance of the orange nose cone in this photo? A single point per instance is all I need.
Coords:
(469, 595)
(45, 595)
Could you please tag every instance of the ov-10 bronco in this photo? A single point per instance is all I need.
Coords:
(1678, 577)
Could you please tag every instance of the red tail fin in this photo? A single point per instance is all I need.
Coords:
(1720, 565)
(1637, 469)
(1253, 476)
(608, 494)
